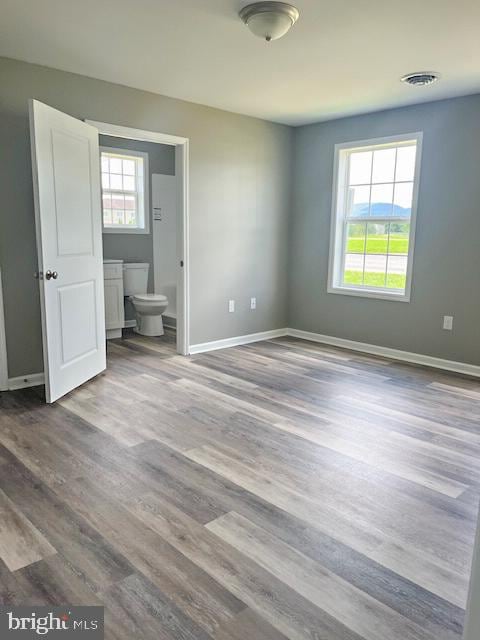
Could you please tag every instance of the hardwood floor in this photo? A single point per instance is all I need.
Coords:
(277, 490)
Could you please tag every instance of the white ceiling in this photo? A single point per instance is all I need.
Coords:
(342, 56)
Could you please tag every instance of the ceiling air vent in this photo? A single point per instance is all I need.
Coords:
(420, 79)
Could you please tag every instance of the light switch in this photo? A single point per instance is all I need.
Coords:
(448, 322)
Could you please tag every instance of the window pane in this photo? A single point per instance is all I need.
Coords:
(399, 238)
(130, 203)
(115, 165)
(118, 217)
(381, 201)
(129, 167)
(358, 201)
(353, 272)
(377, 238)
(115, 182)
(129, 183)
(383, 165)
(397, 272)
(403, 199)
(379, 188)
(130, 218)
(118, 201)
(356, 238)
(360, 167)
(107, 201)
(375, 270)
(120, 181)
(405, 163)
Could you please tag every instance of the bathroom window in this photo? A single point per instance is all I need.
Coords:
(373, 217)
(124, 191)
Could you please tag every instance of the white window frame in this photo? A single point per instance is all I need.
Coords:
(143, 201)
(338, 222)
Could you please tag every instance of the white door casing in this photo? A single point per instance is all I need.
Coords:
(3, 344)
(66, 181)
(182, 164)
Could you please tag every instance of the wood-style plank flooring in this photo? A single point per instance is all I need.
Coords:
(277, 490)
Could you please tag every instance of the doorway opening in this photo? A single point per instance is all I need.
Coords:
(68, 223)
(150, 231)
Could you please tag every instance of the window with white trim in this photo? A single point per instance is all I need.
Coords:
(124, 191)
(373, 217)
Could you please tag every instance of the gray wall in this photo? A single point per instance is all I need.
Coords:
(240, 171)
(161, 159)
(240, 197)
(446, 272)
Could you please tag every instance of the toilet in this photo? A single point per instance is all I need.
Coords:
(148, 306)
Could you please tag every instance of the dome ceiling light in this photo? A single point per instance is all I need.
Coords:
(269, 20)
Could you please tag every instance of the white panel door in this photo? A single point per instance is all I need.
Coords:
(66, 182)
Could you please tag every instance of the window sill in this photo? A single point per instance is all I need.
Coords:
(369, 293)
(132, 230)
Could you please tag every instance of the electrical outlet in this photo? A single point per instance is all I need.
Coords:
(253, 303)
(231, 306)
(448, 323)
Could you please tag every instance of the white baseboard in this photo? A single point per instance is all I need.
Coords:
(129, 324)
(22, 382)
(237, 341)
(36, 379)
(387, 352)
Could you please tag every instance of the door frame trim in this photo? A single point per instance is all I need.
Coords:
(182, 166)
(3, 343)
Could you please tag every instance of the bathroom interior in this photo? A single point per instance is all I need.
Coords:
(139, 237)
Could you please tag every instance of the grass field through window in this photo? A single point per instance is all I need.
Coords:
(372, 279)
(378, 244)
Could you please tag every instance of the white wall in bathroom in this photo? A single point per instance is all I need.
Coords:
(164, 238)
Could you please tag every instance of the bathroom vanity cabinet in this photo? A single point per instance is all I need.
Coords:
(114, 306)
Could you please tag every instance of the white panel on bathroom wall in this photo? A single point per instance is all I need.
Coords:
(164, 205)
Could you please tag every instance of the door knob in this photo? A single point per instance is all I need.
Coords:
(51, 274)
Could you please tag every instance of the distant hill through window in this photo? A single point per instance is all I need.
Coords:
(380, 210)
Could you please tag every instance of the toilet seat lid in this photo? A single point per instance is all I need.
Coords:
(150, 297)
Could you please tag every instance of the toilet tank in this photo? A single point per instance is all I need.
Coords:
(135, 278)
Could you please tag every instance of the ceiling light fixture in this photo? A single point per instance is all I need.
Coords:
(420, 79)
(269, 20)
